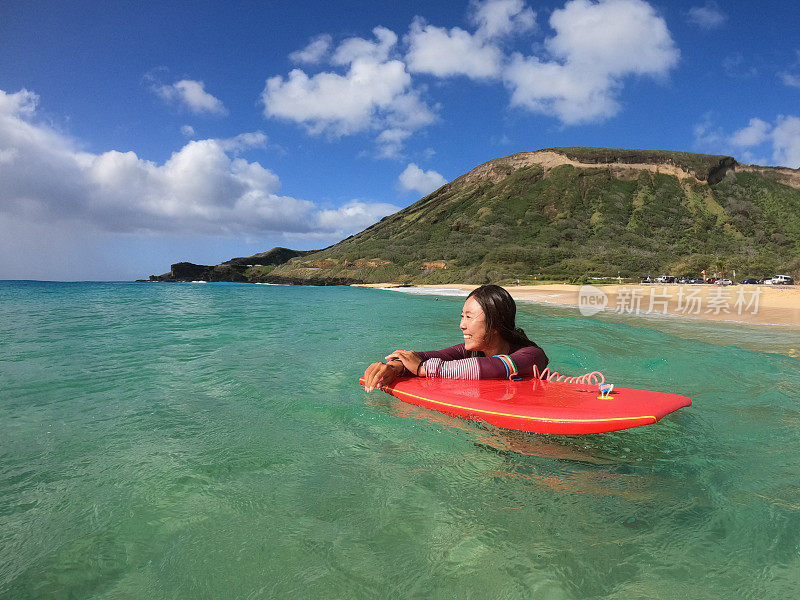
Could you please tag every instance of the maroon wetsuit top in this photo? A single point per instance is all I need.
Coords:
(455, 362)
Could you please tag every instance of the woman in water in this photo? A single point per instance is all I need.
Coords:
(493, 348)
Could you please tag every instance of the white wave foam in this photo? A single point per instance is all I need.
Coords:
(443, 291)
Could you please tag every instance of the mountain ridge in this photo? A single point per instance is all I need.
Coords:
(567, 213)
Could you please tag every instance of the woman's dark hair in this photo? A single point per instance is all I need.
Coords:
(500, 311)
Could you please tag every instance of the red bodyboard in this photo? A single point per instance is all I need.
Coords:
(538, 406)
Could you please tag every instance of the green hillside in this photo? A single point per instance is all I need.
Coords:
(569, 222)
(610, 212)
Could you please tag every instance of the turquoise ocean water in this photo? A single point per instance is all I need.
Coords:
(211, 441)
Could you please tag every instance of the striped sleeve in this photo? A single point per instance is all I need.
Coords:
(452, 363)
(465, 368)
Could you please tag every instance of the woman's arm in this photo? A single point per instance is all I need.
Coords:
(485, 367)
(413, 362)
(405, 362)
(453, 363)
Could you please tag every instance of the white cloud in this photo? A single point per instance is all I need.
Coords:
(577, 76)
(23, 103)
(202, 188)
(447, 53)
(316, 50)
(756, 132)
(243, 141)
(187, 130)
(390, 142)
(749, 157)
(596, 45)
(790, 80)
(708, 16)
(353, 216)
(7, 155)
(789, 77)
(452, 52)
(786, 141)
(498, 18)
(614, 37)
(193, 95)
(758, 139)
(409, 111)
(374, 93)
(353, 49)
(338, 104)
(572, 95)
(424, 182)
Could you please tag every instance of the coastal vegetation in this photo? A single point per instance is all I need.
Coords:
(570, 214)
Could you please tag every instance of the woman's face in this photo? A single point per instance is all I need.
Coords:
(473, 326)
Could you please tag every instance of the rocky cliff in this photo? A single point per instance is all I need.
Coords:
(240, 269)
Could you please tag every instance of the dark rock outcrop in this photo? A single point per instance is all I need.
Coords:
(230, 270)
(717, 173)
(276, 256)
(185, 271)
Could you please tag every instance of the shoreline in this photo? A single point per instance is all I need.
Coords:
(772, 306)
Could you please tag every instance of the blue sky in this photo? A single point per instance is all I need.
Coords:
(136, 134)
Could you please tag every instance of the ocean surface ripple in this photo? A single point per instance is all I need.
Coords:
(211, 441)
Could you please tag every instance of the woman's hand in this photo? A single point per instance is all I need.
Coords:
(410, 360)
(379, 374)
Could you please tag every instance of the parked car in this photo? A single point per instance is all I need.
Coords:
(782, 280)
(723, 282)
(697, 280)
(685, 279)
(712, 280)
(750, 281)
(665, 279)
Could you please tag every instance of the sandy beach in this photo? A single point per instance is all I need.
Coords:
(755, 304)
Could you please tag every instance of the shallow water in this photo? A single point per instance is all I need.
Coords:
(211, 441)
